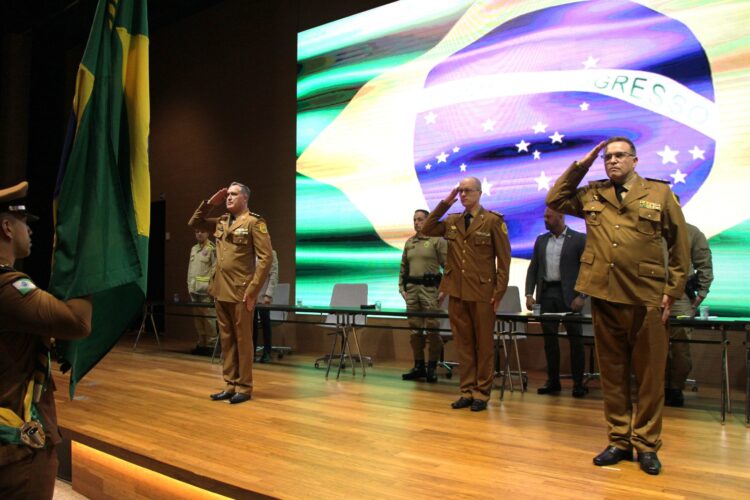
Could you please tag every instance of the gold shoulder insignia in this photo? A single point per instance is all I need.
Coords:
(496, 213)
(258, 216)
(504, 228)
(262, 227)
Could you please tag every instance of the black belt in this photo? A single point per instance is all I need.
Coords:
(433, 280)
(551, 284)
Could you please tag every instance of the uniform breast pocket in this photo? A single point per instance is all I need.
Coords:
(240, 239)
(649, 220)
(482, 241)
(593, 213)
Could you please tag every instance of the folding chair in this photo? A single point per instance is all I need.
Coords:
(344, 326)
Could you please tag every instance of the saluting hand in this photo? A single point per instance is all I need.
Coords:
(590, 158)
(451, 198)
(218, 198)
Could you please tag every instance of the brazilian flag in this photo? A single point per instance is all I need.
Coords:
(102, 198)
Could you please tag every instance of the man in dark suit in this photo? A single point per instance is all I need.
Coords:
(553, 271)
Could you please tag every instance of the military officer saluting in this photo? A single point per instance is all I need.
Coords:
(240, 236)
(418, 283)
(29, 318)
(476, 277)
(623, 270)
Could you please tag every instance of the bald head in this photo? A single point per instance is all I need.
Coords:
(470, 190)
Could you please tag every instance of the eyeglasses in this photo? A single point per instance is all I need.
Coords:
(466, 191)
(619, 155)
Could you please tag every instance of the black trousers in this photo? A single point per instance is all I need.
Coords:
(551, 301)
(263, 318)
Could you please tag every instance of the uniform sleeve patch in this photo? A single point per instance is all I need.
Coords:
(504, 227)
(262, 227)
(24, 286)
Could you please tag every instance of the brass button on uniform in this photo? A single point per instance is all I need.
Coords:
(612, 265)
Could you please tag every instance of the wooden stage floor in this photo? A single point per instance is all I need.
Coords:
(379, 437)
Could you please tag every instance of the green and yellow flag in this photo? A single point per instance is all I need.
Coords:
(102, 198)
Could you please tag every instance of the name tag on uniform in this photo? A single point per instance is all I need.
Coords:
(650, 204)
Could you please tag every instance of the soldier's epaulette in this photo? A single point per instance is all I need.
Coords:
(598, 182)
(656, 180)
(496, 213)
(224, 217)
(257, 216)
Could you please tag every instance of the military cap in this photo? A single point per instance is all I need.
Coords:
(13, 201)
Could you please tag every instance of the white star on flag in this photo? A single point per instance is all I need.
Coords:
(697, 153)
(486, 186)
(679, 177)
(523, 146)
(427, 167)
(584, 106)
(591, 62)
(542, 182)
(463, 167)
(489, 125)
(668, 155)
(430, 118)
(456, 149)
(537, 155)
(539, 128)
(556, 137)
(442, 157)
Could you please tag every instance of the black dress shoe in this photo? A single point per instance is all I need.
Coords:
(649, 462)
(674, 397)
(478, 405)
(221, 396)
(419, 371)
(461, 402)
(549, 388)
(431, 375)
(611, 455)
(579, 391)
(265, 357)
(239, 398)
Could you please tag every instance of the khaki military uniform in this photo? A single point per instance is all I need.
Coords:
(200, 269)
(29, 317)
(237, 275)
(680, 361)
(476, 272)
(422, 255)
(623, 270)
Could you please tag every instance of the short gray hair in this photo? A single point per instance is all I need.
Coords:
(243, 189)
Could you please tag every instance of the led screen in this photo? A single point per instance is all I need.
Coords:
(397, 104)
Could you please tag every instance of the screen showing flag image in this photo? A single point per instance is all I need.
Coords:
(397, 104)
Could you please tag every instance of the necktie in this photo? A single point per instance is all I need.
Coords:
(467, 220)
(619, 189)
